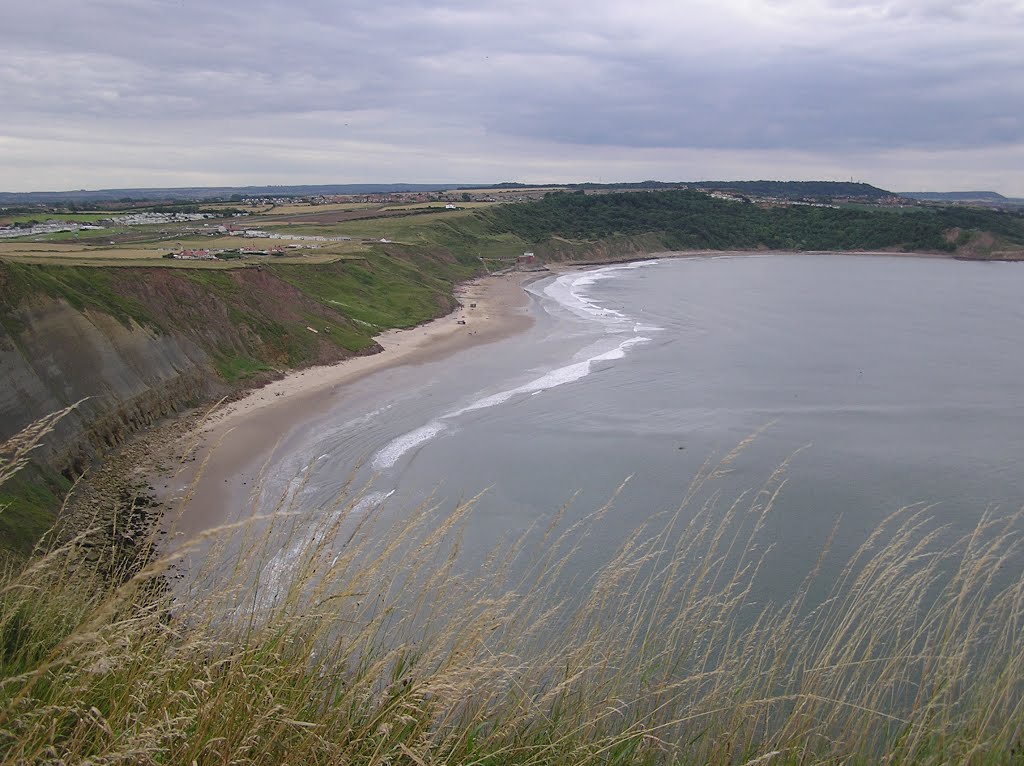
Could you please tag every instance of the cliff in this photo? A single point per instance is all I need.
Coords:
(139, 344)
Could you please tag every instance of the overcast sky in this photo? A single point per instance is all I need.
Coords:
(905, 94)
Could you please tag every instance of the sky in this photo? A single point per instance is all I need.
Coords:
(909, 95)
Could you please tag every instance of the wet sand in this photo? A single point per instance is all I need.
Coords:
(227, 451)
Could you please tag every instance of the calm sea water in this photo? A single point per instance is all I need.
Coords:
(902, 375)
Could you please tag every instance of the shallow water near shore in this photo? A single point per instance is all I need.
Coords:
(900, 377)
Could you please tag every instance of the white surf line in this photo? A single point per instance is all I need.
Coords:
(568, 291)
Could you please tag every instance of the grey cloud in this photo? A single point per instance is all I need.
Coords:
(807, 103)
(828, 76)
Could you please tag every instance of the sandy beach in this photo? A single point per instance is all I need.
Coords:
(226, 452)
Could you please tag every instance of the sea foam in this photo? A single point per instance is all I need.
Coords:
(557, 377)
(568, 291)
(570, 373)
(392, 453)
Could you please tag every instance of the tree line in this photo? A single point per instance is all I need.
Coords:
(693, 220)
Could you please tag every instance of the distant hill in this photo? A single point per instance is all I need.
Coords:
(215, 192)
(962, 196)
(798, 189)
(788, 190)
(690, 220)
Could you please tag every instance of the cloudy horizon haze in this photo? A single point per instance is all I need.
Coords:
(909, 95)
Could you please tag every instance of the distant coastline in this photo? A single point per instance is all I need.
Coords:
(566, 265)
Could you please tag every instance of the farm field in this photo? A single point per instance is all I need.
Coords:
(90, 217)
(327, 214)
(438, 206)
(367, 225)
(408, 229)
(301, 208)
(83, 255)
(149, 245)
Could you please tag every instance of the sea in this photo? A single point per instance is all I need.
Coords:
(871, 383)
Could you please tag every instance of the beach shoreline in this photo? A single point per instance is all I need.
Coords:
(563, 266)
(219, 460)
(222, 459)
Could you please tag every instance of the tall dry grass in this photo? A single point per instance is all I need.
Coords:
(375, 645)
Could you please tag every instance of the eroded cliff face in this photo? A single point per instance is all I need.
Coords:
(139, 344)
(129, 376)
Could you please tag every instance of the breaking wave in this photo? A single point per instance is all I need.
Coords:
(567, 291)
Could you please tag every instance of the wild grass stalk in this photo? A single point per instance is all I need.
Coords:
(375, 644)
